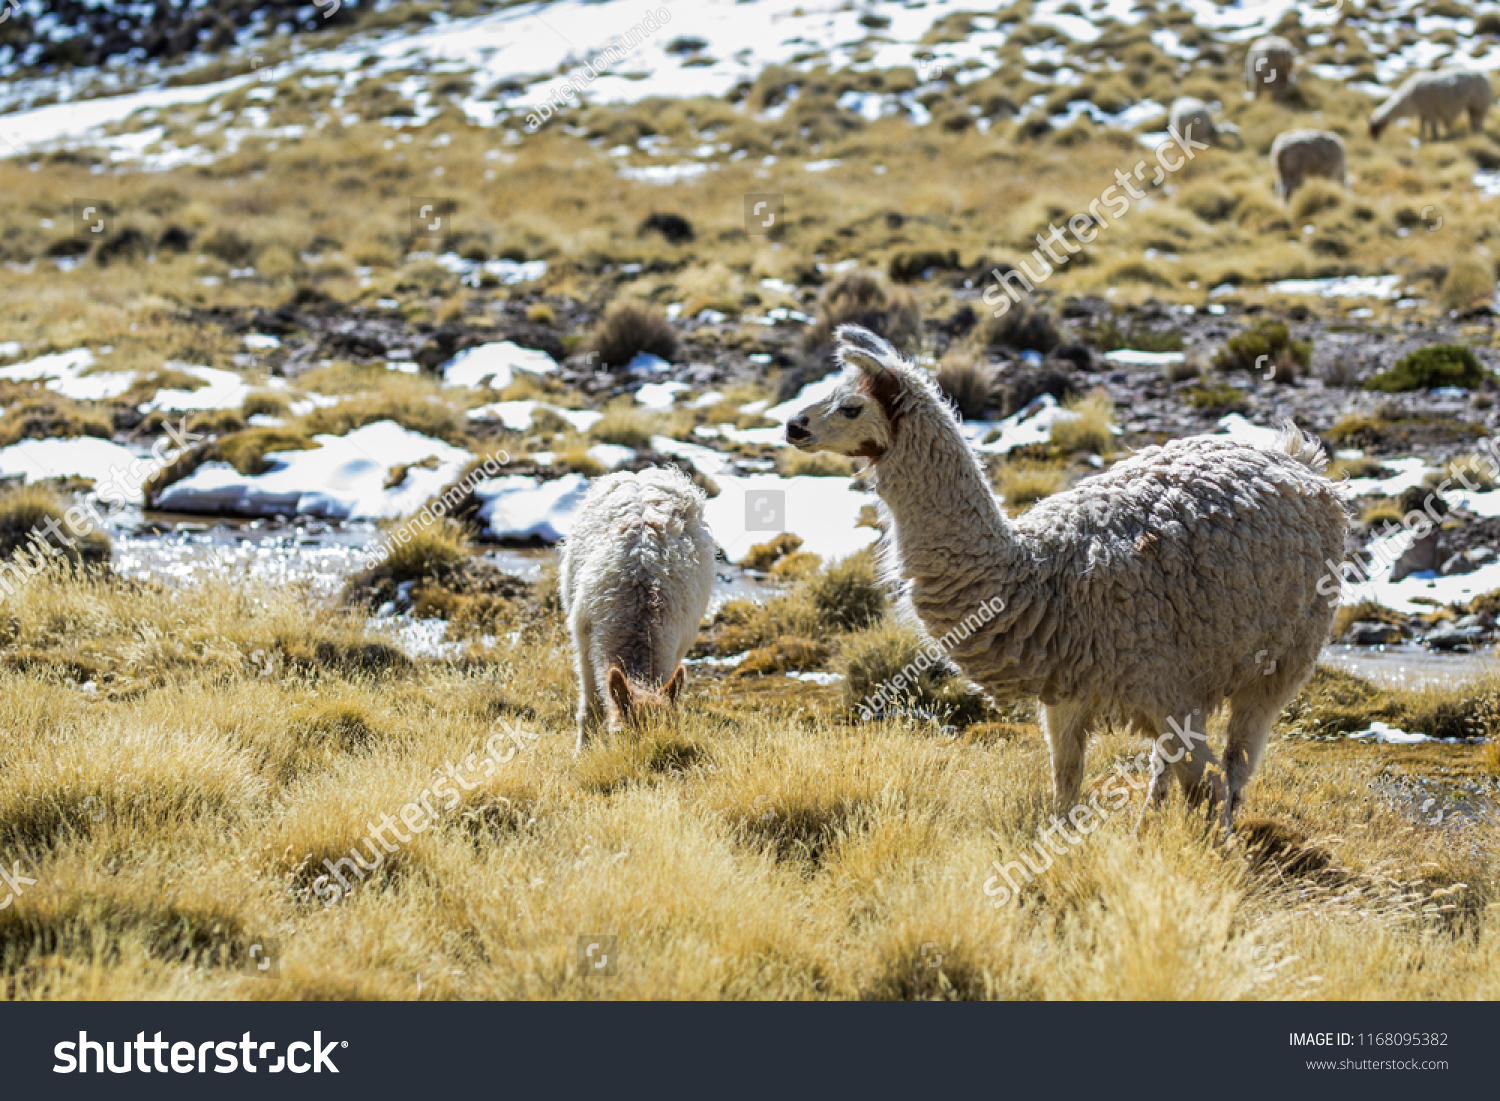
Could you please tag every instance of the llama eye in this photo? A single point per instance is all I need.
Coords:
(850, 411)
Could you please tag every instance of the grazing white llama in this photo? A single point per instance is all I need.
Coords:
(1270, 66)
(1191, 117)
(637, 572)
(1435, 98)
(1299, 155)
(1185, 576)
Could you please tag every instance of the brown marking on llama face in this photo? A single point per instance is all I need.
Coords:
(885, 388)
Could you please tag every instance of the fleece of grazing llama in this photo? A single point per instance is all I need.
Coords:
(1185, 576)
(1435, 98)
(1270, 65)
(637, 572)
(1299, 155)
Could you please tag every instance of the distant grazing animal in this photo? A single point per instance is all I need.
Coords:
(1186, 575)
(1299, 155)
(1192, 118)
(1270, 66)
(1437, 98)
(637, 572)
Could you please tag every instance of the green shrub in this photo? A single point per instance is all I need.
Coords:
(1426, 368)
(1265, 343)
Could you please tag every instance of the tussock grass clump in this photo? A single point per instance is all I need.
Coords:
(1264, 345)
(265, 403)
(51, 416)
(864, 298)
(1316, 197)
(1465, 472)
(1091, 431)
(1025, 326)
(762, 556)
(792, 463)
(848, 594)
(1021, 483)
(967, 382)
(890, 657)
(843, 596)
(626, 424)
(1433, 366)
(432, 417)
(1469, 282)
(246, 451)
(28, 509)
(630, 328)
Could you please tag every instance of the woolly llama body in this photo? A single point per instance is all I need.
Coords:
(1270, 66)
(1192, 118)
(1188, 575)
(637, 572)
(1300, 155)
(1437, 98)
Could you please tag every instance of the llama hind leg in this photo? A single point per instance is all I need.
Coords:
(1254, 713)
(1067, 726)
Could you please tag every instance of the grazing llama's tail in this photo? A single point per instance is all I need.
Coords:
(1302, 447)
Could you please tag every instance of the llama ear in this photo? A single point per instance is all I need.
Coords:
(863, 349)
(676, 684)
(619, 690)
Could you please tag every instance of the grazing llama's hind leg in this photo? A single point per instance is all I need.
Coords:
(1255, 711)
(1067, 726)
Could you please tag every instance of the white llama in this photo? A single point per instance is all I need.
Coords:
(1184, 576)
(1437, 99)
(637, 572)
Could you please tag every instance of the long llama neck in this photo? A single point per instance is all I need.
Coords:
(952, 540)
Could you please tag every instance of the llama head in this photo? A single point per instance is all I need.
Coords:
(1377, 124)
(861, 416)
(632, 704)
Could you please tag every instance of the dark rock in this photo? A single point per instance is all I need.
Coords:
(1448, 636)
(1420, 557)
(1369, 633)
(1458, 564)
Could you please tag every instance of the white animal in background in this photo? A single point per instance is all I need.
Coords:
(1185, 576)
(1192, 118)
(1270, 66)
(636, 576)
(1300, 155)
(1435, 98)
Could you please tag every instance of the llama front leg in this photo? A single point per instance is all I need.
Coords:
(1067, 727)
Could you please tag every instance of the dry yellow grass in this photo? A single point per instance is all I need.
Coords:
(761, 846)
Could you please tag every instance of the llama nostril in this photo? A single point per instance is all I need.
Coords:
(795, 432)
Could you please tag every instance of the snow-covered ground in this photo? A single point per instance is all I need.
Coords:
(344, 478)
(518, 57)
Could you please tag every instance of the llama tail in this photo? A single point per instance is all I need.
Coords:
(1302, 447)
